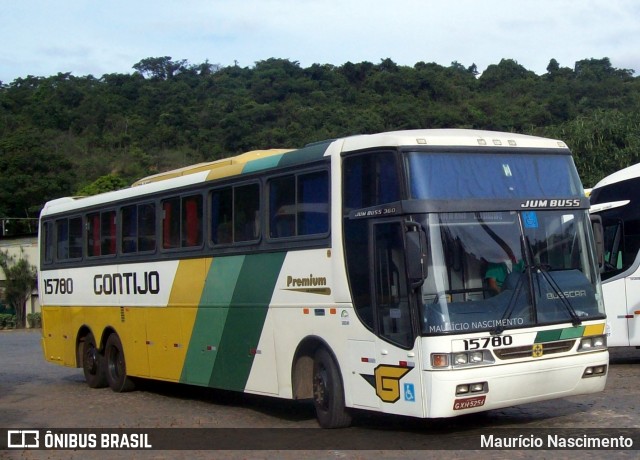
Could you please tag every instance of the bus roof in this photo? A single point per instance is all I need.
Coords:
(258, 160)
(450, 137)
(627, 173)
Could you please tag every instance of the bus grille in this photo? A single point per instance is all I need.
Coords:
(530, 351)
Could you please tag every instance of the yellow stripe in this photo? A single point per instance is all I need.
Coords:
(169, 329)
(593, 329)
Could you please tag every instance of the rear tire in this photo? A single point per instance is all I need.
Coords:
(93, 365)
(116, 367)
(328, 392)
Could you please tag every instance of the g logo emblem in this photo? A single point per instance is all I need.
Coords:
(388, 381)
(537, 350)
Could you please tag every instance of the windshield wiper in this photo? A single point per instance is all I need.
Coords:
(499, 329)
(544, 271)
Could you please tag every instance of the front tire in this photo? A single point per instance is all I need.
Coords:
(93, 364)
(116, 367)
(328, 392)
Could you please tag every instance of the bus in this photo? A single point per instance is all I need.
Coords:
(352, 272)
(616, 200)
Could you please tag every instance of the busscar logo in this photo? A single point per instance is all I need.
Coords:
(23, 439)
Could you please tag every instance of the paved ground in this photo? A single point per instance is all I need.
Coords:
(37, 394)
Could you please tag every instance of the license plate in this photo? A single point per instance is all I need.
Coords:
(468, 403)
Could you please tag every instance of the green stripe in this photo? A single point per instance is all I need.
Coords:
(572, 332)
(261, 163)
(548, 336)
(304, 155)
(210, 319)
(244, 323)
(559, 334)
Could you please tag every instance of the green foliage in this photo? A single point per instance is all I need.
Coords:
(103, 184)
(63, 133)
(34, 320)
(7, 321)
(20, 281)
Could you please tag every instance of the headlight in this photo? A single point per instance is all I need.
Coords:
(597, 342)
(461, 359)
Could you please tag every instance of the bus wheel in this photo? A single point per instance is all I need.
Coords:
(116, 366)
(328, 393)
(93, 363)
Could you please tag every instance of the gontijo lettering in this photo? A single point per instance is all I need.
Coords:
(127, 283)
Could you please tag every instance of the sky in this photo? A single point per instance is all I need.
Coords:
(97, 37)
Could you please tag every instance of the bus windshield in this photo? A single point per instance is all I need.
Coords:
(490, 271)
(499, 175)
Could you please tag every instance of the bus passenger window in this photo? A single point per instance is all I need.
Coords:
(282, 207)
(299, 205)
(313, 203)
(192, 221)
(171, 223)
(129, 242)
(138, 228)
(246, 215)
(47, 229)
(69, 238)
(101, 233)
(108, 233)
(221, 215)
(147, 227)
(75, 238)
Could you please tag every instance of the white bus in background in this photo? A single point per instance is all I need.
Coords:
(616, 199)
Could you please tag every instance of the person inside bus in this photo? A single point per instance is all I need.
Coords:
(497, 273)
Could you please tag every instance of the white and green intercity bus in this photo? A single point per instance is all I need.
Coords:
(427, 273)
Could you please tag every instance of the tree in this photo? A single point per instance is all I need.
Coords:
(21, 280)
(103, 184)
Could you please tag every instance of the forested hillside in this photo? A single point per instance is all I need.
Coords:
(65, 134)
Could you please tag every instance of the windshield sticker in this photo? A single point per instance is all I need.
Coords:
(530, 219)
(482, 324)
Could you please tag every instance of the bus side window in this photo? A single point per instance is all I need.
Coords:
(147, 227)
(171, 223)
(75, 238)
(129, 241)
(48, 241)
(299, 205)
(246, 207)
(221, 216)
(282, 207)
(192, 221)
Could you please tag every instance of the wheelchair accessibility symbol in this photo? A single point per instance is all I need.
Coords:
(409, 392)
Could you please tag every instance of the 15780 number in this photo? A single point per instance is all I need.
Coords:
(485, 342)
(58, 286)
